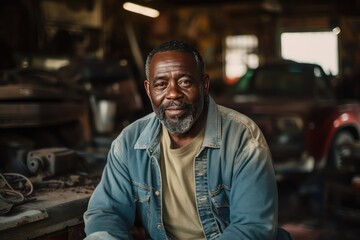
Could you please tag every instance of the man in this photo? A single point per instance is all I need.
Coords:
(190, 170)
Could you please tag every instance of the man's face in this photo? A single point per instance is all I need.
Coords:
(176, 90)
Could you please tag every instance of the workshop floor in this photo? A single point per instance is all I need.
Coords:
(306, 217)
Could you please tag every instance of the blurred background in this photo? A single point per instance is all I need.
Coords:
(72, 72)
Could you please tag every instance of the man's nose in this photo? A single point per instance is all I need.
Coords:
(174, 91)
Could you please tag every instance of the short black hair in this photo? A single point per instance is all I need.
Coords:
(178, 46)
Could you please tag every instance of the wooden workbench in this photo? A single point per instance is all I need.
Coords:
(57, 212)
(52, 213)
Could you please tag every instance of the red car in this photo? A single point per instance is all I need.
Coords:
(295, 106)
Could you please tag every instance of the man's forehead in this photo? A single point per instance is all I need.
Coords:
(174, 58)
(168, 56)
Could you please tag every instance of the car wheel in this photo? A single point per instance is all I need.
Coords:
(342, 137)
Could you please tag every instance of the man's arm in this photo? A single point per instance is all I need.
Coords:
(253, 196)
(111, 208)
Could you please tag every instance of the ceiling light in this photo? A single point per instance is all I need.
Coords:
(150, 12)
(336, 30)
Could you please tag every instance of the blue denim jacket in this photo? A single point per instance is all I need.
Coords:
(236, 192)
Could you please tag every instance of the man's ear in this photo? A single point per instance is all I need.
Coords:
(147, 87)
(206, 83)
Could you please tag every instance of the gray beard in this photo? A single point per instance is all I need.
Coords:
(178, 126)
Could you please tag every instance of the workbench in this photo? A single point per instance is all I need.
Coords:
(56, 214)
(60, 202)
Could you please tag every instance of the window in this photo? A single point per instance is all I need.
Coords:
(240, 54)
(312, 47)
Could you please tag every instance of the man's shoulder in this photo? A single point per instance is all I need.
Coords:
(233, 115)
(235, 119)
(140, 124)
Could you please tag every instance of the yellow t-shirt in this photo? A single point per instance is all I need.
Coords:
(180, 216)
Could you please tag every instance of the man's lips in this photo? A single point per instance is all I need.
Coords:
(174, 110)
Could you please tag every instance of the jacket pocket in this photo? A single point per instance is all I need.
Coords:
(220, 203)
(142, 201)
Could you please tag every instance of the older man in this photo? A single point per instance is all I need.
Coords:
(190, 170)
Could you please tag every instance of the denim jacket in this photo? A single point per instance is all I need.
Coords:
(236, 192)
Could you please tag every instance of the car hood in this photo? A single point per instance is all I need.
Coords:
(258, 105)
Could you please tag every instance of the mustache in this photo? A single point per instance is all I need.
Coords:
(174, 103)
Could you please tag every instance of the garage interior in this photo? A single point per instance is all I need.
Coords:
(71, 78)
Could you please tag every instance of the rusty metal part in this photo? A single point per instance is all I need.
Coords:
(53, 161)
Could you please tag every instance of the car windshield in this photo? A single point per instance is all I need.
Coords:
(277, 81)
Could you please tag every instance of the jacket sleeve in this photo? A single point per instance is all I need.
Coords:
(111, 209)
(253, 196)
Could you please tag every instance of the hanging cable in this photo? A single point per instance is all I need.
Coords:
(15, 187)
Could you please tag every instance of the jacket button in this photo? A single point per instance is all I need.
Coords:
(157, 193)
(159, 226)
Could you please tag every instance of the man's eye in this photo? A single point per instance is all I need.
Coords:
(160, 85)
(185, 82)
